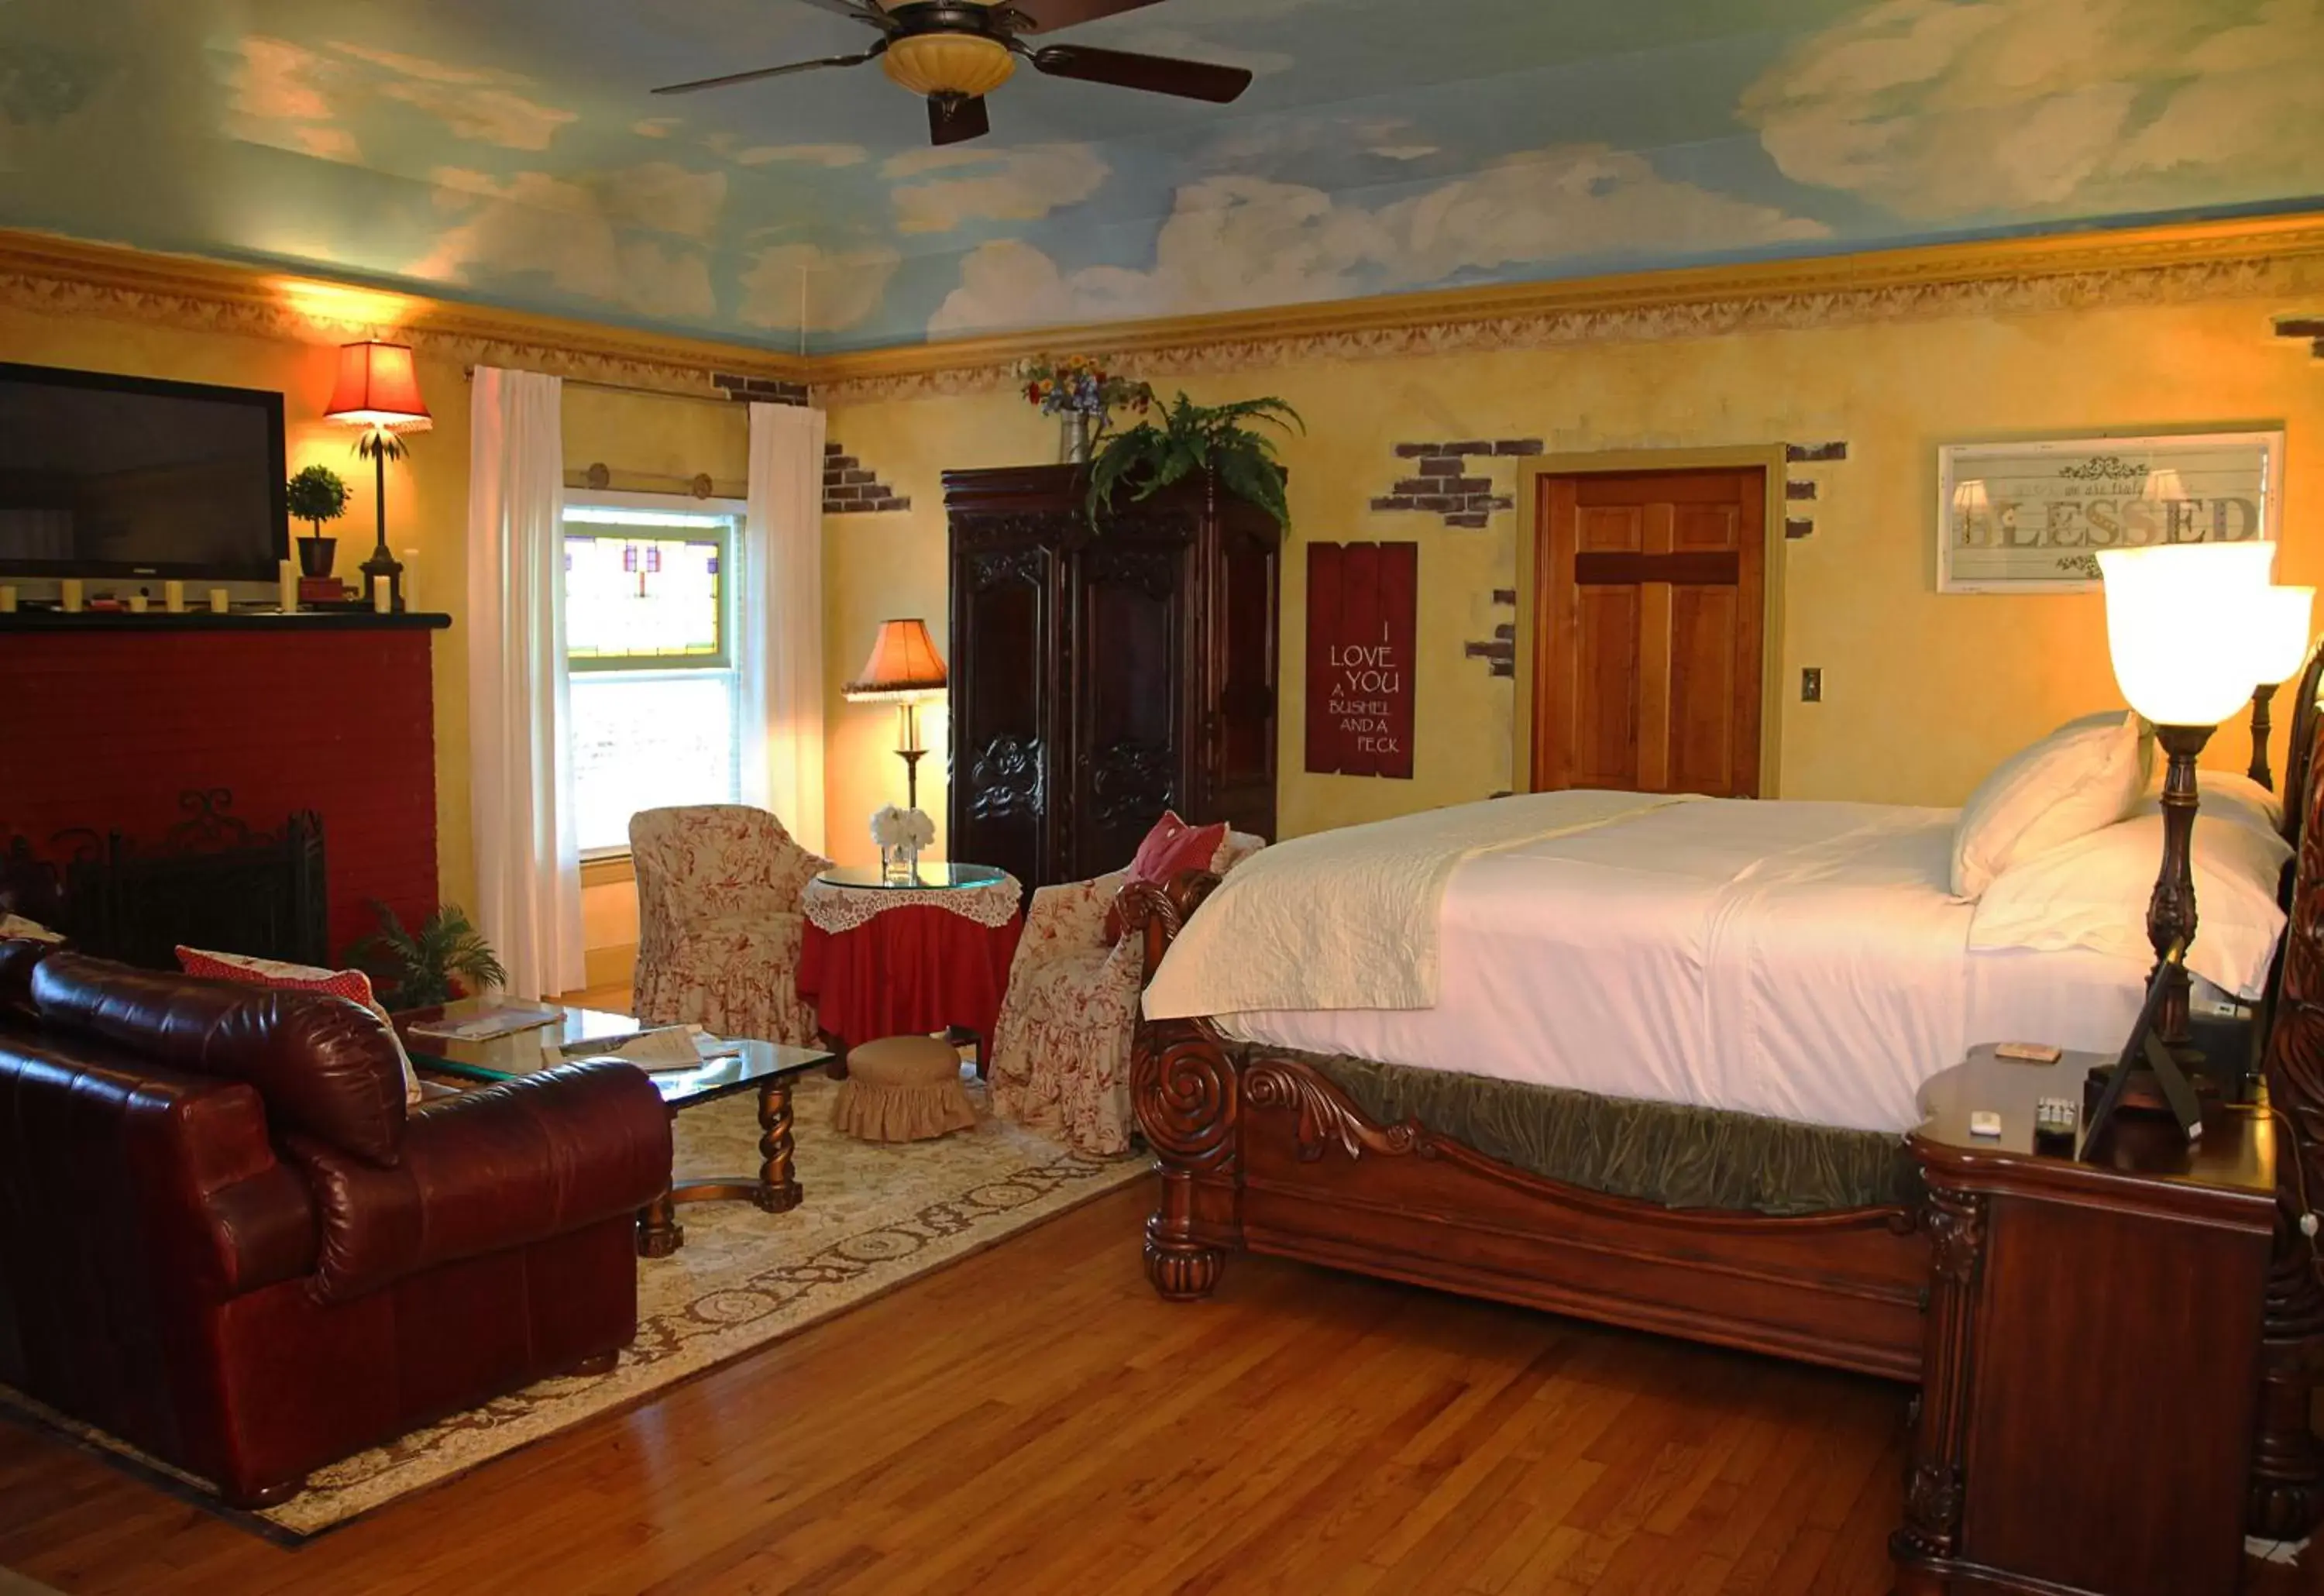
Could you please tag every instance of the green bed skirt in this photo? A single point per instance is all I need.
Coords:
(1670, 1154)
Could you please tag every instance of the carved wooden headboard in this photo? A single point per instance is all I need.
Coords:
(2300, 755)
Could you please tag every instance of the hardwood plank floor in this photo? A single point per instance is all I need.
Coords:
(1034, 1420)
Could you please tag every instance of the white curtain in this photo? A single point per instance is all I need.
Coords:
(520, 792)
(781, 597)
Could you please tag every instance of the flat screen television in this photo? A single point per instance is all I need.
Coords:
(103, 476)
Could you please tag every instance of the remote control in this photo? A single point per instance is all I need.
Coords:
(1985, 1122)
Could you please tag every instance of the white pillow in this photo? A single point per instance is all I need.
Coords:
(17, 925)
(2227, 796)
(2082, 776)
(2093, 892)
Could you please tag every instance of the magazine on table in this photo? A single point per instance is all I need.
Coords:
(494, 1017)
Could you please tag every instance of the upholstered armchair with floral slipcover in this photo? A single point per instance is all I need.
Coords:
(719, 927)
(1060, 1057)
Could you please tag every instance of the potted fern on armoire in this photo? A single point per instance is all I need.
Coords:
(1114, 644)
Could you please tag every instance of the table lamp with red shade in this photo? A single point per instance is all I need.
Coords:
(906, 670)
(378, 390)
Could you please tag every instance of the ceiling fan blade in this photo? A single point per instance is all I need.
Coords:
(863, 11)
(733, 78)
(1156, 74)
(1047, 17)
(953, 119)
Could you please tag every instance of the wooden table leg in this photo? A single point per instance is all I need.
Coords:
(779, 1187)
(658, 1232)
(837, 1047)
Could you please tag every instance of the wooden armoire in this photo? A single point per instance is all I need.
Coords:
(1102, 675)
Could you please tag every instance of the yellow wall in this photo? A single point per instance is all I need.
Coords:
(1924, 693)
(427, 492)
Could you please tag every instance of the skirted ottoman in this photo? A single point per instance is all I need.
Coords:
(903, 1089)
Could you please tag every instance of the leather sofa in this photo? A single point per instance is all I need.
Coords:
(224, 1239)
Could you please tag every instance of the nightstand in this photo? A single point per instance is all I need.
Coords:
(2092, 1367)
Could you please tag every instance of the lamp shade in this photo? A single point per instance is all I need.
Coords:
(2281, 632)
(2180, 627)
(378, 387)
(904, 666)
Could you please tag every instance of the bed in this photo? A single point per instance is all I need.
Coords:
(1629, 1138)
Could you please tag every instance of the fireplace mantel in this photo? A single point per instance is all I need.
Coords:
(160, 624)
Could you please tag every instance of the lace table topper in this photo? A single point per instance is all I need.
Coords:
(835, 909)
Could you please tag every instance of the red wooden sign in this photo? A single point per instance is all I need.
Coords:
(1363, 622)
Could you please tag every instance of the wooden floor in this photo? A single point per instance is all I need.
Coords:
(1034, 1420)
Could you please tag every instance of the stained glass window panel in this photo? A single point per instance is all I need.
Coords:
(638, 595)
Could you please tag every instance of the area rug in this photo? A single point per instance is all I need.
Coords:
(874, 1218)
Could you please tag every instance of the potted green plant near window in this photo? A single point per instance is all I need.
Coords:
(1193, 437)
(418, 968)
(315, 496)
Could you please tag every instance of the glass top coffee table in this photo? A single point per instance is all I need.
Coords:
(728, 1066)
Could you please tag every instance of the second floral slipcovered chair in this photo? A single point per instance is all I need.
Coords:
(1060, 1057)
(719, 927)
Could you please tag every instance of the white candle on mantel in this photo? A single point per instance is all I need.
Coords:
(173, 598)
(287, 582)
(69, 592)
(381, 600)
(138, 604)
(8, 601)
(220, 603)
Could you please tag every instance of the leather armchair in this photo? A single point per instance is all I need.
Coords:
(720, 923)
(226, 1239)
(1060, 1059)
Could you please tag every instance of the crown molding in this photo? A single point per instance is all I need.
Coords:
(2184, 263)
(54, 275)
(2176, 263)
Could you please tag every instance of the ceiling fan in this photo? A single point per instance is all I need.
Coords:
(954, 53)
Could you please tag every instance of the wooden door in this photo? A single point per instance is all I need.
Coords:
(1005, 645)
(1650, 620)
(1130, 688)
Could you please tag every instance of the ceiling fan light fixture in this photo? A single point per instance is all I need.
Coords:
(965, 64)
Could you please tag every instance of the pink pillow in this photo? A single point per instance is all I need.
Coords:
(1171, 847)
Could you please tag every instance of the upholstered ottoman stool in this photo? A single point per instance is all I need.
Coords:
(903, 1089)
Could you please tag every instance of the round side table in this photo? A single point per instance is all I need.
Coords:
(882, 957)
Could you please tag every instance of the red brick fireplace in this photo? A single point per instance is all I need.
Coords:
(107, 720)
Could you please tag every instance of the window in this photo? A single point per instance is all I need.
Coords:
(650, 652)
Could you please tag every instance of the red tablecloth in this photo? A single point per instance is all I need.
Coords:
(907, 972)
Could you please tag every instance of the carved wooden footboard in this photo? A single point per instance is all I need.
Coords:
(1263, 1152)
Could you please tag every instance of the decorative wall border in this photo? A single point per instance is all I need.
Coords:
(2181, 263)
(60, 276)
(2178, 264)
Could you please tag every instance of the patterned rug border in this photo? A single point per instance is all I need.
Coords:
(710, 1354)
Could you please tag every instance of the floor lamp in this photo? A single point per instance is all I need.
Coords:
(2182, 623)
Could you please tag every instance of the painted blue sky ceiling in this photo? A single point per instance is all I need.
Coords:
(506, 150)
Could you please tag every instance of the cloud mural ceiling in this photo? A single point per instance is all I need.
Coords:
(507, 150)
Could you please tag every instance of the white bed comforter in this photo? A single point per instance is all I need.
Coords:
(1799, 960)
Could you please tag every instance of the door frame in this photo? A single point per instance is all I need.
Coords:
(1772, 460)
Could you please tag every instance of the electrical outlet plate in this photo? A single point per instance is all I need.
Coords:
(1811, 684)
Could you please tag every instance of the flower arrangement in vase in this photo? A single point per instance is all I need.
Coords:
(1082, 395)
(315, 496)
(900, 834)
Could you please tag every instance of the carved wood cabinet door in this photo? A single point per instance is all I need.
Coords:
(1005, 632)
(1130, 691)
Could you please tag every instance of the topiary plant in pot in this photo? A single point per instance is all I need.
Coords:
(315, 496)
(1191, 438)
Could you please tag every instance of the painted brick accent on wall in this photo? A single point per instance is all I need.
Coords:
(759, 390)
(106, 731)
(849, 489)
(1458, 481)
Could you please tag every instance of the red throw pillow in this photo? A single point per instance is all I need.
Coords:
(1171, 847)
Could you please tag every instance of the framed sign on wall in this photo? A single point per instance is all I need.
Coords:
(1363, 622)
(2031, 517)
